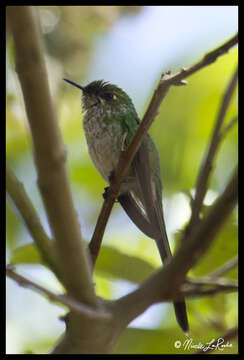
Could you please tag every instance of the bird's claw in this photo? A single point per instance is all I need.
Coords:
(105, 194)
(106, 189)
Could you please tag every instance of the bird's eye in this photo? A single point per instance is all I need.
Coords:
(108, 96)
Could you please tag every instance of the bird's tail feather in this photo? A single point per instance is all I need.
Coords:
(150, 196)
(165, 253)
(133, 211)
(181, 315)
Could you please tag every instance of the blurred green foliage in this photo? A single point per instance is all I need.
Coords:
(181, 132)
(167, 342)
(69, 32)
(111, 263)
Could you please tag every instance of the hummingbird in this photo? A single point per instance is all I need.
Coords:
(110, 122)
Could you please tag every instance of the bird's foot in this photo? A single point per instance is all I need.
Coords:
(111, 178)
(105, 194)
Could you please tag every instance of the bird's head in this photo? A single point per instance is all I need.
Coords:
(102, 94)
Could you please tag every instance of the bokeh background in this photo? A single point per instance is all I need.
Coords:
(129, 46)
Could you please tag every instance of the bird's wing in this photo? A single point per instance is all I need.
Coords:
(151, 196)
(134, 211)
(144, 206)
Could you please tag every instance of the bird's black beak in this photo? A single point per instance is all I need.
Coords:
(74, 84)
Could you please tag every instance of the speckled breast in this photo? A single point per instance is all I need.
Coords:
(103, 140)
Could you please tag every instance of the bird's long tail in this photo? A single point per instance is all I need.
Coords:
(133, 211)
(157, 220)
(149, 194)
(164, 250)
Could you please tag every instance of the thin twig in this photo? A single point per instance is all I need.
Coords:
(26, 209)
(219, 343)
(228, 127)
(206, 286)
(201, 291)
(223, 269)
(206, 166)
(126, 157)
(63, 299)
(212, 281)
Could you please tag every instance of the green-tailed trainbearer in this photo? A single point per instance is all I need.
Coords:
(109, 122)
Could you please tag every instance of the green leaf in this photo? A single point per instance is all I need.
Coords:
(13, 226)
(26, 254)
(115, 264)
(111, 263)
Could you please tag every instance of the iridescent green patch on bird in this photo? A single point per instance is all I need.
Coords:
(116, 105)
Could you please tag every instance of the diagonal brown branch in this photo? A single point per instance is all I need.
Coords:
(166, 81)
(165, 284)
(62, 299)
(206, 167)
